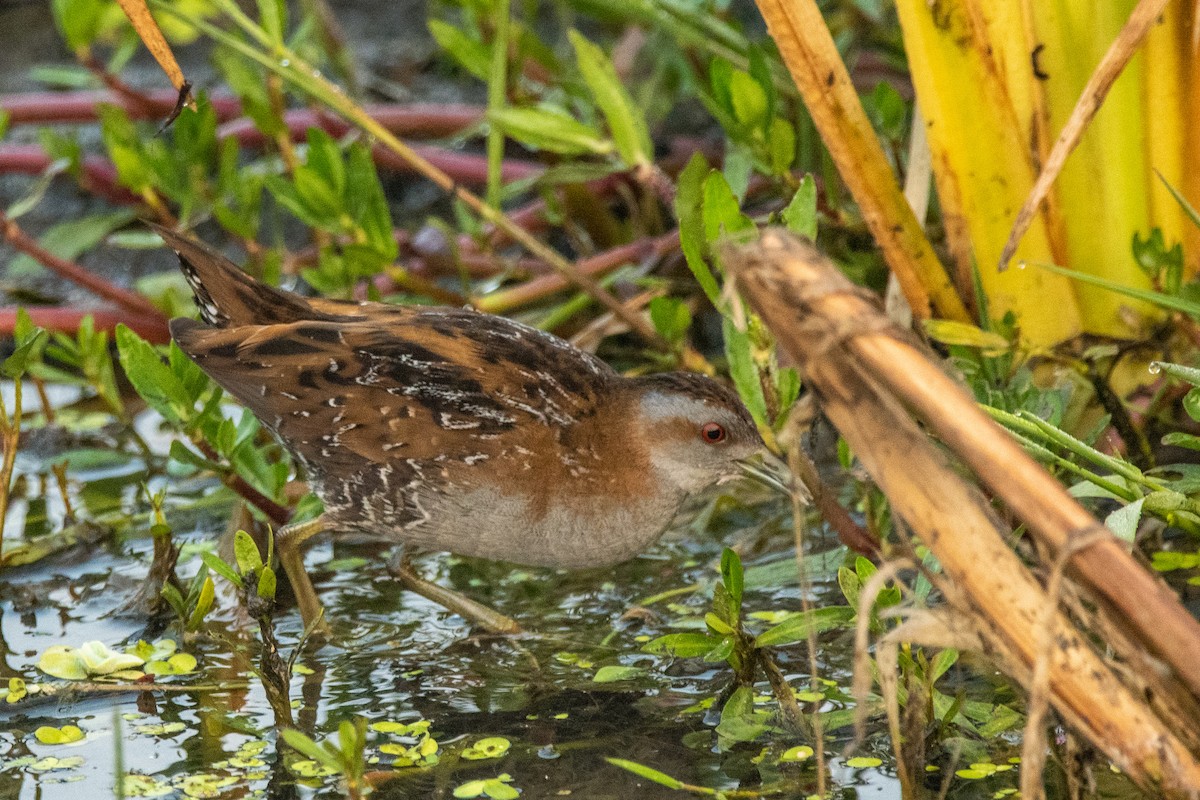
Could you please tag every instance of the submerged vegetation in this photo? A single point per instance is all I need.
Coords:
(150, 647)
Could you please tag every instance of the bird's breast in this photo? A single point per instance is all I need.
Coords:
(548, 530)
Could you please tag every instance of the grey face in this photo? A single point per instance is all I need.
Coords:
(696, 441)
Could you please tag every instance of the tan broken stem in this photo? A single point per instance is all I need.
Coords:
(1147, 606)
(807, 48)
(836, 334)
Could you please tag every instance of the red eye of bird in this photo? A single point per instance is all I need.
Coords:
(713, 432)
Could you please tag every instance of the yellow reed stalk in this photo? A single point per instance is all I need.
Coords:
(1103, 188)
(965, 61)
(1167, 108)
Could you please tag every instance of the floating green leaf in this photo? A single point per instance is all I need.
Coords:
(178, 664)
(50, 763)
(93, 658)
(161, 729)
(795, 754)
(64, 735)
(496, 788)
(491, 747)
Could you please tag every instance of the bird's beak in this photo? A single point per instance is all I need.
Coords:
(771, 471)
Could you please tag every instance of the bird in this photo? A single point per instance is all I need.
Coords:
(448, 429)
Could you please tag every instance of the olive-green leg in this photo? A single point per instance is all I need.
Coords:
(465, 607)
(289, 543)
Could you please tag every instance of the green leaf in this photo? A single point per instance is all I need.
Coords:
(740, 721)
(174, 599)
(180, 453)
(850, 584)
(1187, 440)
(204, 604)
(721, 211)
(613, 673)
(1191, 403)
(744, 372)
(1167, 301)
(682, 645)
(266, 584)
(689, 206)
(649, 773)
(246, 552)
(178, 664)
(26, 351)
(549, 129)
(368, 206)
(731, 575)
(491, 747)
(321, 203)
(218, 565)
(799, 627)
(717, 624)
(671, 317)
(93, 658)
(497, 789)
(624, 118)
(472, 54)
(749, 99)
(722, 651)
(1187, 207)
(800, 215)
(469, 789)
(782, 145)
(306, 746)
(17, 690)
(151, 377)
(273, 14)
(72, 238)
(325, 163)
(1124, 521)
(1189, 374)
(962, 334)
(792, 755)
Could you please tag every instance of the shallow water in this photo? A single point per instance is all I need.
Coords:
(395, 657)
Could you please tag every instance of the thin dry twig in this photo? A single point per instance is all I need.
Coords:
(1033, 743)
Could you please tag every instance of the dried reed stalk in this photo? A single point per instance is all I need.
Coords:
(869, 375)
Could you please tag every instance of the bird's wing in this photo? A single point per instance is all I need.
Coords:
(409, 386)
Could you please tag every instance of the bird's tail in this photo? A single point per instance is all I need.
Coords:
(225, 295)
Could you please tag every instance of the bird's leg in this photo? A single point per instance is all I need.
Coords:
(465, 607)
(289, 543)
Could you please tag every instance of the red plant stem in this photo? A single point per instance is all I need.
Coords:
(466, 168)
(77, 107)
(422, 120)
(277, 513)
(99, 174)
(126, 299)
(67, 320)
(417, 121)
(507, 299)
